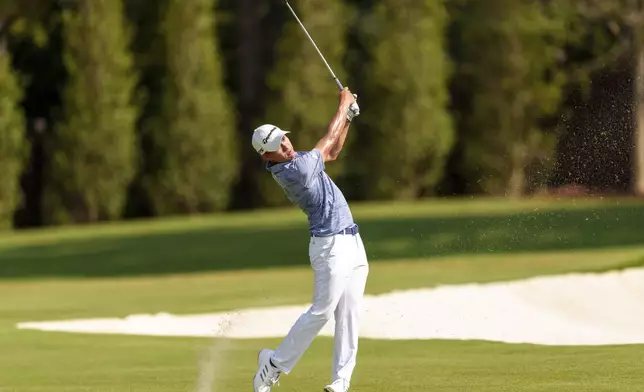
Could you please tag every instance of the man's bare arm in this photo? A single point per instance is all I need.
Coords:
(335, 151)
(332, 142)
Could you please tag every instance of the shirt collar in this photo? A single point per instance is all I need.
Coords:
(275, 166)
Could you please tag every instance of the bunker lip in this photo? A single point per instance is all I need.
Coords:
(571, 309)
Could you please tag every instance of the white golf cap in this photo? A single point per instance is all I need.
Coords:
(267, 138)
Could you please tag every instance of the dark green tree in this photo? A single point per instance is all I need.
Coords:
(408, 132)
(35, 42)
(621, 22)
(24, 18)
(193, 150)
(93, 149)
(15, 18)
(13, 145)
(512, 53)
(303, 96)
(148, 49)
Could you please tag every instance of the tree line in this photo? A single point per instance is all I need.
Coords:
(119, 109)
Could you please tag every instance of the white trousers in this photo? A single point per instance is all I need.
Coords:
(340, 270)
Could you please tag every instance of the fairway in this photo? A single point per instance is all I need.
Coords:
(211, 264)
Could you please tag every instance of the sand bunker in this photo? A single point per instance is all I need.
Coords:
(573, 309)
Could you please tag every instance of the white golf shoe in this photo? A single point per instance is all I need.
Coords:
(267, 375)
(337, 386)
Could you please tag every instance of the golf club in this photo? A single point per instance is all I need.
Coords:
(337, 82)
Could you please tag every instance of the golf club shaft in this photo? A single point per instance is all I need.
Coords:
(337, 82)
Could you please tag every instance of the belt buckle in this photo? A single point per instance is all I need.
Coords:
(353, 230)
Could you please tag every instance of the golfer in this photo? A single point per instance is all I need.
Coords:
(336, 251)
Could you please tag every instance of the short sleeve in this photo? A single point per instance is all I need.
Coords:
(308, 165)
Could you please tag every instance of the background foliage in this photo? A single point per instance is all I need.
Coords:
(128, 108)
(93, 150)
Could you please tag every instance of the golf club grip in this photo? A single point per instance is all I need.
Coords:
(337, 82)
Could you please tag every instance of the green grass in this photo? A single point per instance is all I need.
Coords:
(389, 232)
(87, 363)
(120, 269)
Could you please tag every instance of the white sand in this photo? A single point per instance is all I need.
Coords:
(573, 309)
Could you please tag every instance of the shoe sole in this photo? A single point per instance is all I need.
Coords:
(327, 389)
(258, 353)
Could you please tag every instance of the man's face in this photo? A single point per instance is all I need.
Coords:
(283, 154)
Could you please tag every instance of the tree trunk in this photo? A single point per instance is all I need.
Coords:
(638, 131)
(250, 60)
(516, 182)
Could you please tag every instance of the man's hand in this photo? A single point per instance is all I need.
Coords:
(348, 101)
(354, 111)
(346, 97)
(331, 144)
